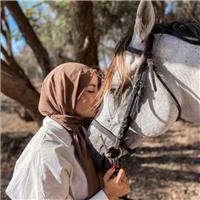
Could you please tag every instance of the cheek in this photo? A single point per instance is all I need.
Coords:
(87, 101)
(84, 101)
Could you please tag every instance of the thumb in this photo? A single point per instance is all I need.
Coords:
(108, 174)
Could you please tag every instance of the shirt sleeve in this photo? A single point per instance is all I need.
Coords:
(99, 196)
(55, 175)
(55, 185)
(39, 179)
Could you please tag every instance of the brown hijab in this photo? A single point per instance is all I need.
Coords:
(60, 91)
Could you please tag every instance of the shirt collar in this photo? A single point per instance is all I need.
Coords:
(57, 130)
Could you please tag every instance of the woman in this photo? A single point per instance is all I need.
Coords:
(56, 163)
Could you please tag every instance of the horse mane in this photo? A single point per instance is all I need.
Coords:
(187, 31)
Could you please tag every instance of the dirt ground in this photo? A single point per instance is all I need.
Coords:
(162, 168)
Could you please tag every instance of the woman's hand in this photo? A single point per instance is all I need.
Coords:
(116, 186)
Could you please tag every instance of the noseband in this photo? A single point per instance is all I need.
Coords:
(133, 107)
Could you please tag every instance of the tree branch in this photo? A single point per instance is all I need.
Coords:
(6, 31)
(8, 36)
(20, 90)
(30, 36)
(13, 63)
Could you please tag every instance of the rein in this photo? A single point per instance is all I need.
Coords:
(133, 108)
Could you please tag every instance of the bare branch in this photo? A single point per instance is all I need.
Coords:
(13, 63)
(30, 36)
(6, 30)
(8, 36)
(19, 89)
(4, 65)
(2, 29)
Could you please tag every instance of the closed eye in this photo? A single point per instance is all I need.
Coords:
(91, 88)
(90, 91)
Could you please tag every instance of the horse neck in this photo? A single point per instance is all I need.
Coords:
(177, 62)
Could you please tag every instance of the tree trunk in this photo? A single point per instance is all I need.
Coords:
(21, 90)
(85, 46)
(30, 36)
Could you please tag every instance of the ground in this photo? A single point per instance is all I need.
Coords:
(162, 168)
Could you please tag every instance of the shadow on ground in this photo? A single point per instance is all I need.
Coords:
(149, 168)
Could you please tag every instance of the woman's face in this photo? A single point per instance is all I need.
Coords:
(85, 104)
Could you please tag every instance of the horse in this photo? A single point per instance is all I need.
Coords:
(153, 98)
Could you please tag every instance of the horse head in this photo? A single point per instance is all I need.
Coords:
(161, 101)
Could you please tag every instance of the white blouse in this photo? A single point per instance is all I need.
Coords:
(49, 169)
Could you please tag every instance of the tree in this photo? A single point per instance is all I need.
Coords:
(15, 83)
(187, 10)
(84, 43)
(30, 36)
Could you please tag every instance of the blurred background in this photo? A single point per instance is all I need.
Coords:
(36, 36)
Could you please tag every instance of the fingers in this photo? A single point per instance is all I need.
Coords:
(125, 181)
(120, 176)
(109, 174)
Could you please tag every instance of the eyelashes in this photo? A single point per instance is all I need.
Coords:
(90, 91)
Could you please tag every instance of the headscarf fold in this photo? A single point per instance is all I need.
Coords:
(60, 91)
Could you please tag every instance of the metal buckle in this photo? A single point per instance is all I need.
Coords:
(113, 155)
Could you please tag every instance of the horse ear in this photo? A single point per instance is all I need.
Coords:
(144, 22)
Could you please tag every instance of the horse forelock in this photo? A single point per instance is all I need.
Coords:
(118, 61)
(117, 64)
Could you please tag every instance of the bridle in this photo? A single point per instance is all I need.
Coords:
(134, 105)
